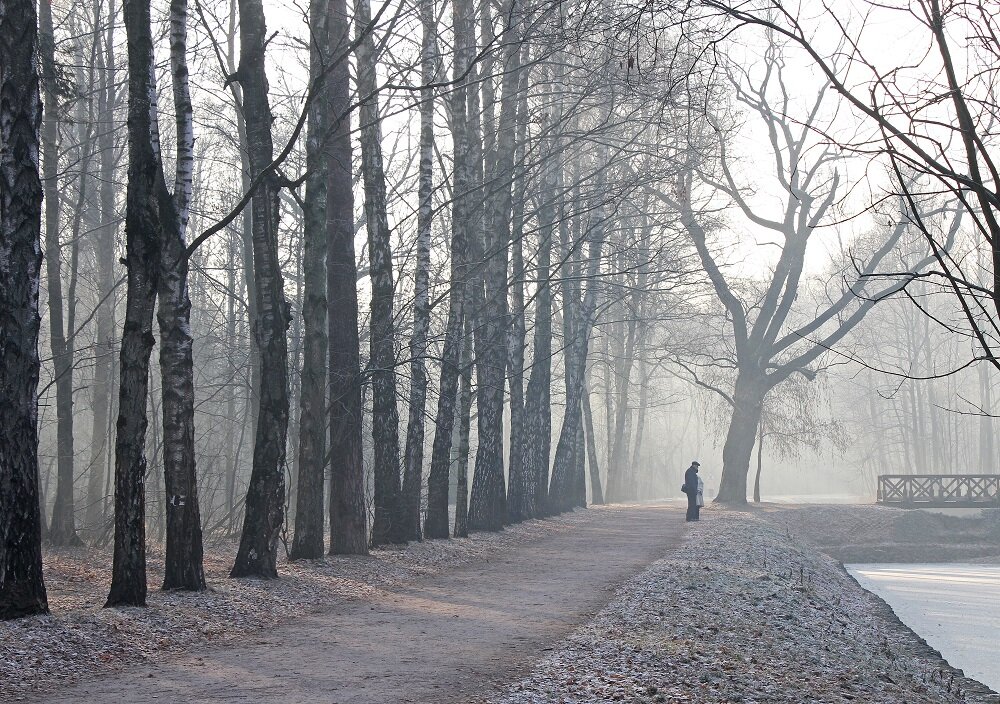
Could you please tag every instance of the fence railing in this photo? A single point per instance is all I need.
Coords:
(939, 490)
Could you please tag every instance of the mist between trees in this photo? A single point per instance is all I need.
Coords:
(419, 269)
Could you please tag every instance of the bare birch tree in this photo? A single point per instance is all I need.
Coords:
(62, 530)
(183, 568)
(307, 541)
(436, 525)
(22, 590)
(104, 255)
(146, 195)
(488, 504)
(348, 511)
(264, 513)
(414, 451)
(389, 524)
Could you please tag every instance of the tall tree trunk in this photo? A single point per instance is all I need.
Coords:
(348, 513)
(264, 512)
(564, 462)
(577, 493)
(295, 373)
(488, 505)
(566, 482)
(520, 482)
(183, 562)
(307, 542)
(749, 395)
(246, 218)
(146, 194)
(389, 525)
(104, 254)
(475, 301)
(464, 425)
(231, 448)
(62, 530)
(609, 406)
(618, 479)
(85, 219)
(414, 453)
(436, 525)
(155, 497)
(579, 486)
(22, 590)
(537, 401)
(593, 464)
(640, 421)
(487, 115)
(568, 486)
(760, 462)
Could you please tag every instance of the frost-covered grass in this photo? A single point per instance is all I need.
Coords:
(743, 612)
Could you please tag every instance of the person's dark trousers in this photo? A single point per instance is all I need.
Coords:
(697, 510)
(692, 512)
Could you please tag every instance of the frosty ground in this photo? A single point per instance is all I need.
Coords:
(433, 622)
(747, 612)
(743, 609)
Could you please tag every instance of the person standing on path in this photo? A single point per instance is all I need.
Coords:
(692, 483)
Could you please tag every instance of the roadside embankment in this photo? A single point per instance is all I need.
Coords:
(744, 611)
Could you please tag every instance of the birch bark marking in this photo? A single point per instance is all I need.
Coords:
(569, 294)
(348, 511)
(414, 453)
(22, 590)
(568, 488)
(465, 422)
(389, 525)
(436, 525)
(183, 564)
(307, 542)
(488, 504)
(519, 484)
(537, 405)
(564, 493)
(264, 514)
(142, 260)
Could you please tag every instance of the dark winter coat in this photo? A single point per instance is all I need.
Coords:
(691, 489)
(691, 481)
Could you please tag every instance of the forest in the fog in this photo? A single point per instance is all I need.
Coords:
(319, 277)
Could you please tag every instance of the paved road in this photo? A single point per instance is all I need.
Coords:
(447, 639)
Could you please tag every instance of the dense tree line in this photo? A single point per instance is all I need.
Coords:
(424, 269)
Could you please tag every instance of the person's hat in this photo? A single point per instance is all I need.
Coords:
(696, 463)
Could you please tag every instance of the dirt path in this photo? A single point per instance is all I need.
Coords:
(448, 638)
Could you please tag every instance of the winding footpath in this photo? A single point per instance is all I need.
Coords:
(452, 637)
